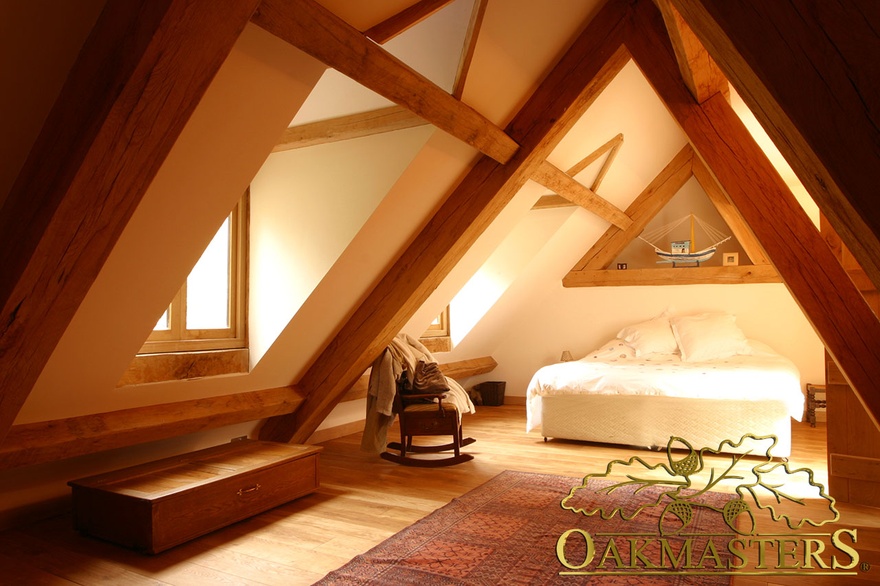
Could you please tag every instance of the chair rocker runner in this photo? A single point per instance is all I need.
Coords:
(419, 415)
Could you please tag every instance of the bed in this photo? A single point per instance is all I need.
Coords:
(693, 376)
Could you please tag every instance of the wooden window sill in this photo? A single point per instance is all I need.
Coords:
(437, 343)
(170, 366)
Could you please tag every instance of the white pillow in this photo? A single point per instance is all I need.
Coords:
(650, 337)
(708, 336)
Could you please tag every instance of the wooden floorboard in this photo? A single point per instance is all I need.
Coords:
(362, 501)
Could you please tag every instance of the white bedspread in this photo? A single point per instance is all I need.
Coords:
(614, 369)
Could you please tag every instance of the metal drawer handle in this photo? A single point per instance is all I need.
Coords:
(254, 488)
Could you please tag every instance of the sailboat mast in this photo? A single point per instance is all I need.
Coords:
(693, 241)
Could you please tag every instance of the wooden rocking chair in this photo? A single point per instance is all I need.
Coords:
(418, 417)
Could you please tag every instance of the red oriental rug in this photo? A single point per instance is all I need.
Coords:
(507, 532)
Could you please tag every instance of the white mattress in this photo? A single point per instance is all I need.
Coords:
(614, 369)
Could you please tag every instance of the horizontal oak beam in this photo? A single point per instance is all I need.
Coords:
(739, 275)
(312, 28)
(48, 441)
(456, 370)
(348, 127)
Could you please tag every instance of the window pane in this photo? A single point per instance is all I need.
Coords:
(207, 287)
(163, 324)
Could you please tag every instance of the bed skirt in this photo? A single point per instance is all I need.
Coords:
(649, 421)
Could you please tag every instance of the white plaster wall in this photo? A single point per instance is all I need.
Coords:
(306, 206)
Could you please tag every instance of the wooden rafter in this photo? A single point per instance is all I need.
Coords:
(404, 20)
(565, 185)
(611, 147)
(808, 267)
(701, 74)
(808, 71)
(581, 74)
(132, 89)
(470, 45)
(320, 33)
(730, 214)
(642, 210)
(385, 119)
(348, 127)
(47, 441)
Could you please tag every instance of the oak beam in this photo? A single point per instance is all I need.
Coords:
(568, 90)
(555, 179)
(611, 147)
(701, 74)
(738, 275)
(833, 305)
(404, 20)
(470, 45)
(730, 214)
(642, 210)
(48, 441)
(458, 370)
(546, 202)
(137, 80)
(312, 28)
(348, 127)
(808, 71)
(462, 369)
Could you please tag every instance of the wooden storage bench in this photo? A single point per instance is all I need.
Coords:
(157, 505)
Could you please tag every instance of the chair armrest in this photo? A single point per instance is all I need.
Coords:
(424, 396)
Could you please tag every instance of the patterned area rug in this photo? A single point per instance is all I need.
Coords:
(506, 532)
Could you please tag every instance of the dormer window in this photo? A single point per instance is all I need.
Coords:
(208, 312)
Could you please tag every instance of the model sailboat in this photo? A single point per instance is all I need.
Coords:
(680, 250)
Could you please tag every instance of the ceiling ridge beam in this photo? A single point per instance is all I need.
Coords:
(315, 30)
(791, 61)
(348, 127)
(589, 65)
(558, 181)
(806, 264)
(642, 210)
(136, 81)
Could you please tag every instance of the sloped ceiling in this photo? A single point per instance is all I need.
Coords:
(258, 90)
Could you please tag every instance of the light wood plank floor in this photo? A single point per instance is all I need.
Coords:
(362, 501)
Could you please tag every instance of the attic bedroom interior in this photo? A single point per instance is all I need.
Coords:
(377, 165)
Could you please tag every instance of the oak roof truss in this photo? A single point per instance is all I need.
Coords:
(843, 188)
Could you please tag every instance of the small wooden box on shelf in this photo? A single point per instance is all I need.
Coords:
(154, 506)
(815, 400)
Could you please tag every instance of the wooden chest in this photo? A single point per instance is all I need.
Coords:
(157, 505)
